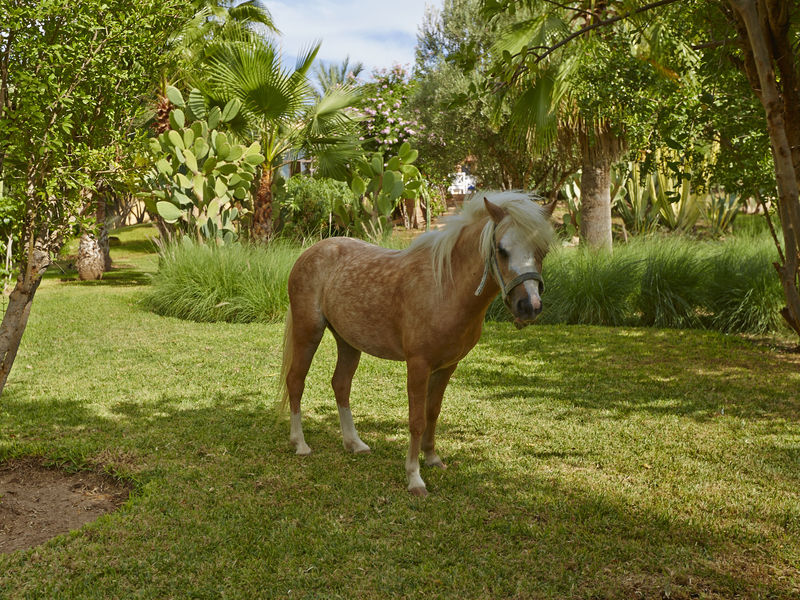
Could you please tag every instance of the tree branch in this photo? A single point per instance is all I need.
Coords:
(572, 8)
(602, 23)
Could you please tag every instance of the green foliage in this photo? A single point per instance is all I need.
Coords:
(572, 217)
(719, 211)
(201, 178)
(72, 79)
(235, 283)
(678, 206)
(306, 205)
(635, 206)
(459, 109)
(378, 188)
(657, 200)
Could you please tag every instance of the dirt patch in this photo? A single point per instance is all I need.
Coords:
(38, 503)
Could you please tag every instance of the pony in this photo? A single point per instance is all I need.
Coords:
(424, 305)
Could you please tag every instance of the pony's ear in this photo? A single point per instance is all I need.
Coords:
(496, 213)
(550, 207)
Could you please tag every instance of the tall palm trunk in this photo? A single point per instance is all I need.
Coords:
(262, 207)
(599, 149)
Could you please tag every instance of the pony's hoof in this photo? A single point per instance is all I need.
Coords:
(302, 450)
(357, 447)
(418, 491)
(436, 462)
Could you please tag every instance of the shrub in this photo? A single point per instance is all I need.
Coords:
(306, 205)
(235, 283)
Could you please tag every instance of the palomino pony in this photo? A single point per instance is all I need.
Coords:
(424, 305)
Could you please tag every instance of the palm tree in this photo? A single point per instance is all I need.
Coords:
(281, 111)
(331, 76)
(212, 21)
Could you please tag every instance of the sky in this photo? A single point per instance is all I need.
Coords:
(375, 32)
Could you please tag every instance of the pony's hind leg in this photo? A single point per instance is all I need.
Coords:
(346, 365)
(306, 335)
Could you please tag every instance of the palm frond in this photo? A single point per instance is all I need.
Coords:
(251, 12)
(253, 73)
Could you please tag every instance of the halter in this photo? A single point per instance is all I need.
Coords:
(505, 288)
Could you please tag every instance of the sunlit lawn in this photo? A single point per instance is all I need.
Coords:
(584, 462)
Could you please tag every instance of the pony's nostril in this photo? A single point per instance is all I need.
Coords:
(524, 308)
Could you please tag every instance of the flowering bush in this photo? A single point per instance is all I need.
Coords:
(388, 120)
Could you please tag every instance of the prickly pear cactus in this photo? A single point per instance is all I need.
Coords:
(379, 187)
(201, 177)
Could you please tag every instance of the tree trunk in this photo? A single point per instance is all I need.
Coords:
(19, 309)
(764, 23)
(262, 208)
(102, 230)
(599, 149)
(90, 262)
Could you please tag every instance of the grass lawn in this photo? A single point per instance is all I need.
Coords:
(585, 462)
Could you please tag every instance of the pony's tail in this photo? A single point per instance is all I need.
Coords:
(288, 352)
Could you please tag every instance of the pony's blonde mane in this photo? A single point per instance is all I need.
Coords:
(523, 212)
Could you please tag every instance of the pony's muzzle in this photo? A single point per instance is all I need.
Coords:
(525, 309)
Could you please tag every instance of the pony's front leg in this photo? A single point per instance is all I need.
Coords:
(418, 376)
(436, 385)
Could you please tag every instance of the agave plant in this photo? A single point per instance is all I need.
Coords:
(719, 210)
(635, 206)
(678, 205)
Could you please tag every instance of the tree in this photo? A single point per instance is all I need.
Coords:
(598, 89)
(73, 76)
(767, 30)
(331, 76)
(281, 111)
(462, 120)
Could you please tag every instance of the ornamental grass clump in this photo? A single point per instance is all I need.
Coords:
(672, 290)
(744, 294)
(589, 287)
(234, 283)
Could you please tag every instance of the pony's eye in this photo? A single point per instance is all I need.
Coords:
(502, 252)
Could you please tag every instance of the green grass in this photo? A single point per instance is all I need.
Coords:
(585, 462)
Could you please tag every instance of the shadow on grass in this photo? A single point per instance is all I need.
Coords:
(221, 468)
(119, 275)
(684, 373)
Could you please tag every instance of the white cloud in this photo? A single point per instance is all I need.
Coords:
(377, 33)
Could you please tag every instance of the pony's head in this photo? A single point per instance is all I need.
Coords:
(514, 242)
